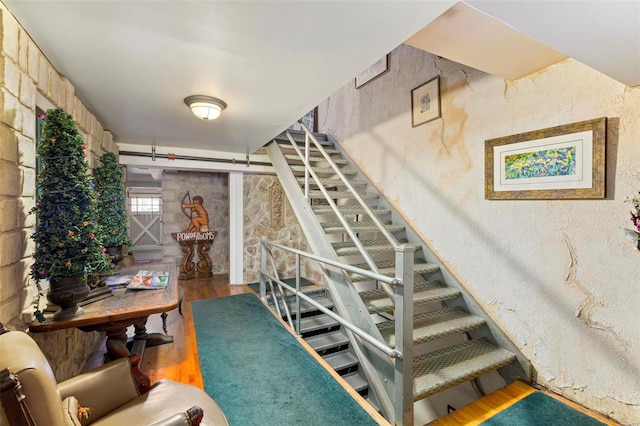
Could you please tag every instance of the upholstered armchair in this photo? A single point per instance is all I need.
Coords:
(113, 394)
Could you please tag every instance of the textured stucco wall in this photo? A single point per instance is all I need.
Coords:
(25, 76)
(561, 277)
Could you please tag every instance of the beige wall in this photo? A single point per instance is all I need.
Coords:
(561, 276)
(29, 80)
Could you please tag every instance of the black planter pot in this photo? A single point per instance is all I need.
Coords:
(114, 250)
(67, 292)
(115, 254)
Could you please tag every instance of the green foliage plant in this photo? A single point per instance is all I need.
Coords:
(112, 209)
(67, 237)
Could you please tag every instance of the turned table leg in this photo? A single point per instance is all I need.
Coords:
(117, 343)
(151, 339)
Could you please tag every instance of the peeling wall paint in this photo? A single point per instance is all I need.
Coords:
(560, 276)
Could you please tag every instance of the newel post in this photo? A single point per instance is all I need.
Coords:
(404, 336)
(263, 267)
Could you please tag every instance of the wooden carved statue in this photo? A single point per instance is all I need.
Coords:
(196, 235)
(199, 223)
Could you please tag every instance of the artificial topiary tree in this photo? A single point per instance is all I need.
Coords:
(67, 237)
(111, 203)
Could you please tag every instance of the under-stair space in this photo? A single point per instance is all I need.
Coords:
(452, 340)
(324, 335)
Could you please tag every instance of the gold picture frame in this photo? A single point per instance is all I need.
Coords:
(562, 162)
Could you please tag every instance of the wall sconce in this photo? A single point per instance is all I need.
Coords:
(205, 107)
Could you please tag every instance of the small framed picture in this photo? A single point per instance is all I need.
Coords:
(374, 71)
(425, 102)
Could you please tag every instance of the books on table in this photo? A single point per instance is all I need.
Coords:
(149, 280)
(118, 281)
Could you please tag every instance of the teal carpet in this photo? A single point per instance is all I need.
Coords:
(258, 372)
(539, 409)
(291, 281)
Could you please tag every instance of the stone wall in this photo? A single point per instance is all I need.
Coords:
(214, 189)
(266, 215)
(279, 225)
(559, 276)
(27, 76)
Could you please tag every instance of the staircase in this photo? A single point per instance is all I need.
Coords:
(325, 336)
(452, 340)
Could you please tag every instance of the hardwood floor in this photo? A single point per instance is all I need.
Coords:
(489, 405)
(179, 361)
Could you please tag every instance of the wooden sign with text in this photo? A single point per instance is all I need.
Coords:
(193, 236)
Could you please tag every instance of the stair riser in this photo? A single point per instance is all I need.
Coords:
(313, 331)
(332, 350)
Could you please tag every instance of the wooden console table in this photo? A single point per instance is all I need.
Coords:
(125, 308)
(189, 241)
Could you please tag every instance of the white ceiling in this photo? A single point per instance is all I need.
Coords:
(513, 54)
(133, 62)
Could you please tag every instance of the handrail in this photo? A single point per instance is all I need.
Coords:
(389, 351)
(383, 229)
(334, 207)
(374, 276)
(275, 296)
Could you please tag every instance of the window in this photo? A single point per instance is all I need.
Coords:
(144, 204)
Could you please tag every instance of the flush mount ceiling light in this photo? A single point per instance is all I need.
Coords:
(205, 107)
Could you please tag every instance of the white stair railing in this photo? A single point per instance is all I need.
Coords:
(304, 157)
(401, 355)
(385, 374)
